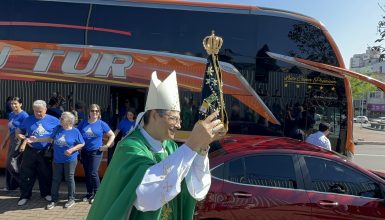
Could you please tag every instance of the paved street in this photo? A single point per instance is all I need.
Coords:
(367, 155)
(34, 209)
(370, 150)
(370, 157)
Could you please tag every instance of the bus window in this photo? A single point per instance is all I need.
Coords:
(40, 22)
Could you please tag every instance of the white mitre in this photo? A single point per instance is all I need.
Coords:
(163, 95)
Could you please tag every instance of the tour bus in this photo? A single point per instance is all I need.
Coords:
(282, 71)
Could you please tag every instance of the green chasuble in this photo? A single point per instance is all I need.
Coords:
(117, 192)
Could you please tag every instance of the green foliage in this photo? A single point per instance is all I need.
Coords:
(360, 87)
(381, 32)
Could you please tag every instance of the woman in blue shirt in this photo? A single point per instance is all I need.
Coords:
(93, 131)
(124, 128)
(126, 124)
(67, 141)
(16, 117)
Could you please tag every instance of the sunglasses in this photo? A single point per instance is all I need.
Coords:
(94, 110)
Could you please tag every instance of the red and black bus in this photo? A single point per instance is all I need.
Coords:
(282, 70)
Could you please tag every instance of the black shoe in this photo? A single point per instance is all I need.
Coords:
(50, 205)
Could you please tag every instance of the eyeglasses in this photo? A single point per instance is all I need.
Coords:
(174, 119)
(94, 111)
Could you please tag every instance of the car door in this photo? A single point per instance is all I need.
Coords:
(263, 186)
(339, 191)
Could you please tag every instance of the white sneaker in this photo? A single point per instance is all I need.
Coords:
(69, 204)
(22, 202)
(50, 205)
(48, 198)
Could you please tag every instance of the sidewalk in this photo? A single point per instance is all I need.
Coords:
(366, 135)
(34, 209)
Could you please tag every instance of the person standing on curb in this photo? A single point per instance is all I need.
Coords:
(35, 164)
(16, 117)
(67, 141)
(93, 131)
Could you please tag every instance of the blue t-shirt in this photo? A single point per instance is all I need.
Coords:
(15, 120)
(125, 126)
(40, 128)
(93, 133)
(64, 140)
(55, 112)
(81, 116)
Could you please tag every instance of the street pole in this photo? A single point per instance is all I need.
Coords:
(362, 105)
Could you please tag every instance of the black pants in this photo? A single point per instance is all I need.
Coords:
(34, 165)
(12, 179)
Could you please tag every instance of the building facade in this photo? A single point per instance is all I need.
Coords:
(371, 104)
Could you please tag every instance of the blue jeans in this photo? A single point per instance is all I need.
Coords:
(91, 162)
(68, 169)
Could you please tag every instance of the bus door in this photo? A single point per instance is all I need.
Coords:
(123, 99)
(339, 73)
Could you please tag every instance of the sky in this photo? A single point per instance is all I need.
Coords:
(351, 23)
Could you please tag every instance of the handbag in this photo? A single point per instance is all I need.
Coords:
(48, 152)
(15, 163)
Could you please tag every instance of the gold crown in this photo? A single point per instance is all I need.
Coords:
(212, 43)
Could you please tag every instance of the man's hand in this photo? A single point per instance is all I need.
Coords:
(22, 146)
(205, 132)
(20, 136)
(32, 139)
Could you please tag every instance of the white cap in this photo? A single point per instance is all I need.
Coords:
(163, 95)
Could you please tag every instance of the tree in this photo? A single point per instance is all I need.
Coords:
(360, 88)
(381, 32)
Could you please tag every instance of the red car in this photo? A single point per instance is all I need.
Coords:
(282, 178)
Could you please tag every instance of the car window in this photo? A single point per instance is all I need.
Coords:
(218, 171)
(331, 176)
(264, 170)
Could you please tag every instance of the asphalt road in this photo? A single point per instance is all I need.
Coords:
(370, 156)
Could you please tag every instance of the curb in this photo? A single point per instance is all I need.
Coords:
(373, 129)
(369, 142)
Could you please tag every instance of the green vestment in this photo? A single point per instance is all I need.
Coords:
(117, 192)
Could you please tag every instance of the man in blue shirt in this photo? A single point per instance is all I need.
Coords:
(34, 164)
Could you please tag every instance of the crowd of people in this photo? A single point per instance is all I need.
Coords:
(48, 144)
(156, 178)
(148, 159)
